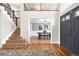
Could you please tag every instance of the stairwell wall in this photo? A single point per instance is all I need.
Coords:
(6, 26)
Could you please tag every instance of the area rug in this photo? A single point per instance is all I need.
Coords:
(26, 53)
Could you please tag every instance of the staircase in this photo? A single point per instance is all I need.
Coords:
(15, 42)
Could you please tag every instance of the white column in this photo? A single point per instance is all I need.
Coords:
(25, 28)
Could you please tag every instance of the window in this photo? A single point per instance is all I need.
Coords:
(67, 17)
(77, 13)
(63, 19)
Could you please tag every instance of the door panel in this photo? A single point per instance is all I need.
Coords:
(62, 28)
(76, 32)
(69, 34)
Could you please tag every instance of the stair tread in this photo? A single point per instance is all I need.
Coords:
(15, 41)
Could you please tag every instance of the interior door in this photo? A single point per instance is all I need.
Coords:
(69, 39)
(76, 30)
(76, 35)
(62, 30)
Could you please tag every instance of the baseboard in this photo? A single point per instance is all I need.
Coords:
(7, 38)
(55, 43)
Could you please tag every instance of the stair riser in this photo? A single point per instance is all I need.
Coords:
(8, 44)
(15, 42)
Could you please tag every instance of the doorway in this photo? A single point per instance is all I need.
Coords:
(40, 30)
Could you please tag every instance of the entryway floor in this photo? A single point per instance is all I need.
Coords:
(40, 41)
(54, 48)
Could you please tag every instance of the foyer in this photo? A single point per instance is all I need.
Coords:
(39, 29)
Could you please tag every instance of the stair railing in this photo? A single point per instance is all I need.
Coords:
(10, 12)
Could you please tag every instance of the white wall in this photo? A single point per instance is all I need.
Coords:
(65, 7)
(6, 26)
(0, 26)
(25, 22)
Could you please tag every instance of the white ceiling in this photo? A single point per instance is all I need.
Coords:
(15, 6)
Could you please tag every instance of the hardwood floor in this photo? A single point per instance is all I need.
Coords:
(57, 49)
(39, 41)
(34, 45)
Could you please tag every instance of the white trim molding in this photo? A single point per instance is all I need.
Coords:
(56, 43)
